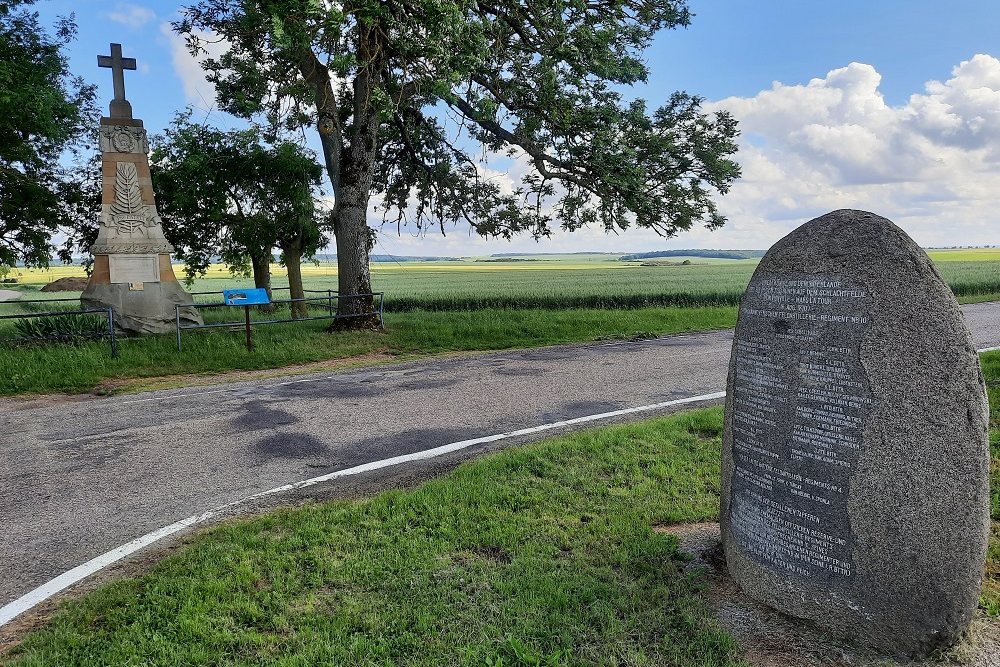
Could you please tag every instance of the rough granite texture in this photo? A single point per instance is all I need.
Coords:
(914, 514)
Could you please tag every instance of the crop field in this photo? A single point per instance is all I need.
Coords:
(566, 282)
(431, 308)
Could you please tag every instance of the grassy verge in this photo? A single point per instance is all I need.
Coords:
(544, 555)
(991, 589)
(76, 368)
(980, 298)
(538, 556)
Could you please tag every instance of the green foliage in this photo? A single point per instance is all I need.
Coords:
(44, 112)
(408, 98)
(544, 555)
(228, 194)
(539, 81)
(62, 327)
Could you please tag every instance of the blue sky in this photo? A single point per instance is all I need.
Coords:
(891, 106)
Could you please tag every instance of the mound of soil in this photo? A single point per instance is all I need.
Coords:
(66, 285)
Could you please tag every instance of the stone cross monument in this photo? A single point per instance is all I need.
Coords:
(132, 270)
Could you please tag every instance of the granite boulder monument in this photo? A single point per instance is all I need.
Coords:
(855, 489)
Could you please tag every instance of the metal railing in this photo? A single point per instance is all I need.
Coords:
(109, 313)
(246, 323)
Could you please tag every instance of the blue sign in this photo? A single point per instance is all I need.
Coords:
(246, 297)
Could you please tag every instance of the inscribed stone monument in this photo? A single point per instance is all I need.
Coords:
(855, 486)
(132, 270)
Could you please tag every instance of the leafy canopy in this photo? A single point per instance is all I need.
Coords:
(44, 111)
(229, 194)
(420, 90)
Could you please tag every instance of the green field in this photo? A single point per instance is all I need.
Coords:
(571, 281)
(432, 307)
(545, 555)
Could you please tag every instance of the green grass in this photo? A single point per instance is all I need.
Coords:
(619, 285)
(991, 592)
(572, 282)
(80, 367)
(542, 555)
(441, 307)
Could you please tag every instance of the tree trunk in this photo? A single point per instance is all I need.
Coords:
(351, 173)
(350, 229)
(262, 277)
(293, 262)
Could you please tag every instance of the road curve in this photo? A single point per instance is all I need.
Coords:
(78, 479)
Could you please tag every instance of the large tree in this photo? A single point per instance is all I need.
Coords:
(45, 115)
(405, 94)
(232, 195)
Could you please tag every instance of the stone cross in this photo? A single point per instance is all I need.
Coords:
(120, 108)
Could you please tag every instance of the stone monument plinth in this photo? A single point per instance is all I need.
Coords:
(855, 472)
(132, 270)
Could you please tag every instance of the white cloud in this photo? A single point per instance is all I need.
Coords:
(132, 16)
(931, 165)
(197, 89)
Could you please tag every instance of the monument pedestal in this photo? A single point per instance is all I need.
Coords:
(132, 271)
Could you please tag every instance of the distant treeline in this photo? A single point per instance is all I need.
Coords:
(332, 258)
(712, 254)
(411, 258)
(530, 254)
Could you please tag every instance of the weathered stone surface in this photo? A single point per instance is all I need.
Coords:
(132, 271)
(855, 461)
(150, 310)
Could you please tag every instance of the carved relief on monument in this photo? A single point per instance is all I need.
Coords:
(123, 139)
(140, 248)
(128, 215)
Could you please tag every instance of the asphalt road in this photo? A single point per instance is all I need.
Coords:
(78, 479)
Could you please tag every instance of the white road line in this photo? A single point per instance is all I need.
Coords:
(12, 610)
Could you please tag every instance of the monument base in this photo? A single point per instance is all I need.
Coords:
(150, 310)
